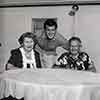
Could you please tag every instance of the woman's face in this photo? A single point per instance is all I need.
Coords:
(74, 47)
(28, 44)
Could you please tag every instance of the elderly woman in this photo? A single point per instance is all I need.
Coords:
(25, 56)
(75, 58)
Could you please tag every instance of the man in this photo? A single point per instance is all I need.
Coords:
(48, 41)
(75, 58)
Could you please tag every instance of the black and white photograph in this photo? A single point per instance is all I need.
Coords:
(49, 50)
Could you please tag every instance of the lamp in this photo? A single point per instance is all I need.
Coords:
(74, 9)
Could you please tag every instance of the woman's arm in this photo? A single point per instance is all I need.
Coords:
(15, 60)
(10, 67)
(92, 67)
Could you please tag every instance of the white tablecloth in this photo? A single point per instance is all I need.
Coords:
(50, 84)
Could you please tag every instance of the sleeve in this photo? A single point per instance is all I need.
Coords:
(91, 63)
(86, 58)
(12, 57)
(87, 61)
(15, 58)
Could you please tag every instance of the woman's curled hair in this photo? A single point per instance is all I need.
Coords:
(26, 34)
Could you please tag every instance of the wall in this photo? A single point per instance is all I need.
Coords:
(15, 21)
(88, 28)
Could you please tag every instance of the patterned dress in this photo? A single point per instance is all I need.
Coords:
(80, 62)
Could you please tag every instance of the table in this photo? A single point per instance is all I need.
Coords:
(50, 84)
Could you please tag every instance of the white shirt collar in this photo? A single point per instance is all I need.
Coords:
(32, 61)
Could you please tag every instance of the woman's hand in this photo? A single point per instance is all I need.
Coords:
(11, 67)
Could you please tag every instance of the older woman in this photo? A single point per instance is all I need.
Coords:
(75, 58)
(25, 56)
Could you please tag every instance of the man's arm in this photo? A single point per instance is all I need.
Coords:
(62, 41)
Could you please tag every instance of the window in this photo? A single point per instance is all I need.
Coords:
(37, 24)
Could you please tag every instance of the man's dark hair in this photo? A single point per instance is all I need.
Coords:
(74, 39)
(24, 35)
(50, 22)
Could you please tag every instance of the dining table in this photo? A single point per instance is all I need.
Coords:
(50, 84)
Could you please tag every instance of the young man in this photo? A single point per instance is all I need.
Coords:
(47, 43)
(75, 58)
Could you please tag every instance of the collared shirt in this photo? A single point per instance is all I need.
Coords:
(80, 62)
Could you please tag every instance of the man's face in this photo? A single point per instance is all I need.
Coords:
(75, 47)
(50, 32)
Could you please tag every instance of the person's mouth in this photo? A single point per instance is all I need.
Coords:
(29, 47)
(51, 35)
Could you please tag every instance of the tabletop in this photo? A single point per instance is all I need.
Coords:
(51, 84)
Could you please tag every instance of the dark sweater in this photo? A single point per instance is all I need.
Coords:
(16, 58)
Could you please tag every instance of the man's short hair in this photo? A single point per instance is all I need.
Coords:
(50, 22)
(74, 39)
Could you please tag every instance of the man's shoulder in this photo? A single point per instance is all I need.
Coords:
(60, 38)
(58, 35)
